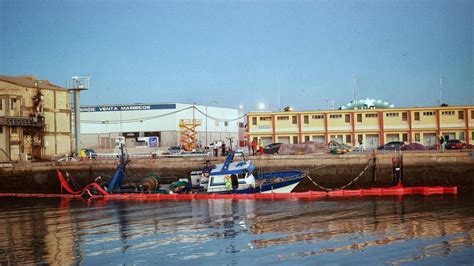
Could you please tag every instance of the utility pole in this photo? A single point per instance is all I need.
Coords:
(355, 88)
(78, 84)
(440, 90)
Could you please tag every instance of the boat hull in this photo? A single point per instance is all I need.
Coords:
(276, 182)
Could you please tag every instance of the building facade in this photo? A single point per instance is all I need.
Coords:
(35, 119)
(369, 127)
(156, 125)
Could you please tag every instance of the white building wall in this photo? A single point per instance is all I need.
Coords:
(118, 121)
(97, 120)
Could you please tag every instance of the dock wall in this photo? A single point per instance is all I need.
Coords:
(331, 171)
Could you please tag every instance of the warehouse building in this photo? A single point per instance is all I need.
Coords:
(156, 125)
(370, 126)
(35, 118)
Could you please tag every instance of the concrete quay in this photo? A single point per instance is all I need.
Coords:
(427, 168)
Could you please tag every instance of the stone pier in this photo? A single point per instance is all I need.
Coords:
(427, 168)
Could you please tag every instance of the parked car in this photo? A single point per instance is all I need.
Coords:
(88, 153)
(272, 148)
(215, 145)
(175, 150)
(455, 144)
(391, 146)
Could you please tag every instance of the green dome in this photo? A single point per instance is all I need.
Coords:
(367, 104)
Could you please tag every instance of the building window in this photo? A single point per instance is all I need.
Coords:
(461, 114)
(348, 138)
(254, 121)
(417, 137)
(359, 118)
(371, 115)
(306, 138)
(428, 114)
(335, 116)
(472, 135)
(283, 118)
(404, 116)
(391, 114)
(337, 138)
(461, 135)
(12, 104)
(265, 118)
(294, 119)
(14, 130)
(472, 114)
(417, 117)
(348, 118)
(317, 116)
(295, 139)
(360, 138)
(306, 119)
(1, 130)
(447, 113)
(1, 104)
(226, 123)
(405, 137)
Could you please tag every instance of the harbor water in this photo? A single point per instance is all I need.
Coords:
(353, 230)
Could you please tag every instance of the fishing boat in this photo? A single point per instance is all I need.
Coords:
(239, 176)
(231, 177)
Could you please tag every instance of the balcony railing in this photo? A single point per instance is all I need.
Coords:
(21, 121)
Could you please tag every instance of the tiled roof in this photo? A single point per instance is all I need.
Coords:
(29, 81)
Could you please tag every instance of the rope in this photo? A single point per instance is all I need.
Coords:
(343, 187)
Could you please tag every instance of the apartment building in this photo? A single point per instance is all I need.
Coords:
(367, 127)
(34, 119)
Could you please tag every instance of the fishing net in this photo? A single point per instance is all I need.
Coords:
(303, 148)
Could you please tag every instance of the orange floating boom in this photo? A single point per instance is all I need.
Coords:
(391, 191)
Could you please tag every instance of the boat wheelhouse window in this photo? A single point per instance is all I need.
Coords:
(242, 175)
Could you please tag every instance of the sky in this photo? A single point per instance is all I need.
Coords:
(303, 54)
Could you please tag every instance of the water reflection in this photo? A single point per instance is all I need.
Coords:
(404, 229)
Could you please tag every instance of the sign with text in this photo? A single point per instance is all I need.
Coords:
(135, 107)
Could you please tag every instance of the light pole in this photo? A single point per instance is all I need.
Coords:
(216, 102)
(78, 84)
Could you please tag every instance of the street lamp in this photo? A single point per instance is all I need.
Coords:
(216, 102)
